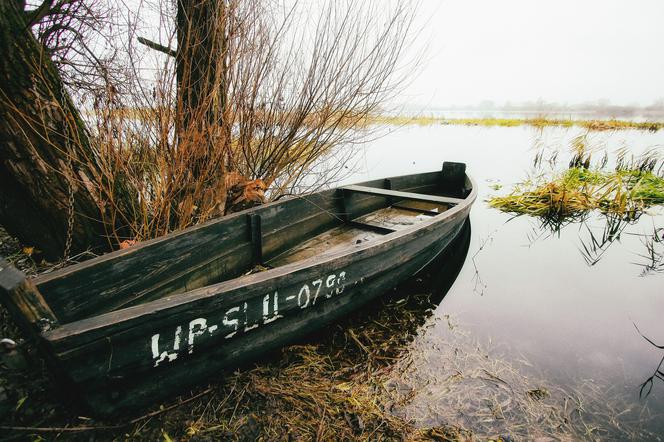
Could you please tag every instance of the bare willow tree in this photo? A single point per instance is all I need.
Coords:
(284, 86)
(200, 106)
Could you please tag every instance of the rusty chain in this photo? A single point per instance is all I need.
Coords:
(70, 183)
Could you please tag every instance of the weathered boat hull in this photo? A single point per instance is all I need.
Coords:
(139, 382)
(138, 355)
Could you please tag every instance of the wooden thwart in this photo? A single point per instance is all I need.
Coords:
(417, 209)
(404, 195)
(371, 227)
(256, 237)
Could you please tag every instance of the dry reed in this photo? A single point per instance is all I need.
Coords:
(626, 191)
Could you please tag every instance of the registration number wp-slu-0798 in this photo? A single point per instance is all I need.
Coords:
(245, 317)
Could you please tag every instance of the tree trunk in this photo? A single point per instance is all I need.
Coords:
(47, 166)
(201, 71)
(200, 25)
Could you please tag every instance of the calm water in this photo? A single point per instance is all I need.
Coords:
(530, 293)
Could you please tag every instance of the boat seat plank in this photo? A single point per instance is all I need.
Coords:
(424, 207)
(405, 195)
(392, 219)
(372, 227)
(331, 241)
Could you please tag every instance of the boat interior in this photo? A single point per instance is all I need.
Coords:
(262, 238)
(361, 229)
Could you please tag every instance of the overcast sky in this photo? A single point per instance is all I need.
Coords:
(561, 51)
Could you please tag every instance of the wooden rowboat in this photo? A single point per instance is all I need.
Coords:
(132, 327)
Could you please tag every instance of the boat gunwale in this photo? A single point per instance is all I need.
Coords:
(117, 254)
(107, 319)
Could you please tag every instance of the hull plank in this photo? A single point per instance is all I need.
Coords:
(75, 294)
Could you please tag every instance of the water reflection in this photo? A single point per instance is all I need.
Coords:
(653, 258)
(439, 275)
(559, 295)
(647, 385)
(594, 241)
(480, 285)
(597, 232)
(595, 245)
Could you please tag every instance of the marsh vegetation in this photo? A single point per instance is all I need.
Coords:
(627, 190)
(539, 122)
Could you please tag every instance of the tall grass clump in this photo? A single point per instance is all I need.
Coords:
(630, 188)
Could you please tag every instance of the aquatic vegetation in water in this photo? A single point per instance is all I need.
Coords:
(620, 196)
(455, 379)
(647, 385)
(653, 257)
(588, 190)
(577, 191)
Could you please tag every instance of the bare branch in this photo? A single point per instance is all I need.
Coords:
(157, 47)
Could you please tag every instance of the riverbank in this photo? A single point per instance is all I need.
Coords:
(372, 376)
